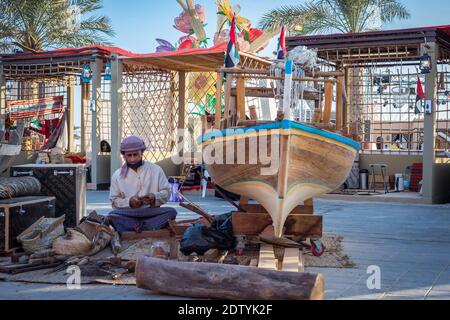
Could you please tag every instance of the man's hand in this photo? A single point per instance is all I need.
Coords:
(149, 200)
(135, 202)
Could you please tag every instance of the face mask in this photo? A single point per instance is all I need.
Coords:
(135, 166)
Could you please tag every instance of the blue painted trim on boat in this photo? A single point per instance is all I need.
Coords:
(285, 124)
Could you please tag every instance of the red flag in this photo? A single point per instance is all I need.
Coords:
(281, 54)
(420, 93)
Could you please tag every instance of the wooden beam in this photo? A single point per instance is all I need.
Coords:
(328, 103)
(305, 225)
(240, 98)
(340, 103)
(223, 281)
(218, 115)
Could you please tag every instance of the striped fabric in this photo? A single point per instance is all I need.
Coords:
(24, 109)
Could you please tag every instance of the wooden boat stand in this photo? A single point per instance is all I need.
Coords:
(255, 224)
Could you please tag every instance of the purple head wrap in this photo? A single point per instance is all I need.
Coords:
(130, 144)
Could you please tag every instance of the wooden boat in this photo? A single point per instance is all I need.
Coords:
(311, 162)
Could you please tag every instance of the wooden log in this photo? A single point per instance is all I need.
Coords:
(221, 281)
(296, 224)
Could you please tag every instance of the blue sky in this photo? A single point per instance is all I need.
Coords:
(138, 22)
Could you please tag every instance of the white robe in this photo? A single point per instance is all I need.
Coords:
(149, 178)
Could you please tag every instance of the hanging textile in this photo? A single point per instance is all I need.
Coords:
(24, 109)
(58, 137)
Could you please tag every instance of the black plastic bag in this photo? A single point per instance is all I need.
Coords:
(199, 239)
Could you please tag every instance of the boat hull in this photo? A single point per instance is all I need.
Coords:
(279, 165)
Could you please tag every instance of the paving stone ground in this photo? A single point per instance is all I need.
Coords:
(410, 243)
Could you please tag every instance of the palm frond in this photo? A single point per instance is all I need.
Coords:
(292, 17)
(41, 24)
(320, 16)
(392, 10)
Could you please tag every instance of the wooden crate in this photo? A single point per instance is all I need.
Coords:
(18, 214)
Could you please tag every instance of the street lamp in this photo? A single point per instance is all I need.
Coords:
(425, 63)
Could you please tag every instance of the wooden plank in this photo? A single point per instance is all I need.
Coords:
(266, 257)
(291, 260)
(328, 103)
(296, 224)
(158, 234)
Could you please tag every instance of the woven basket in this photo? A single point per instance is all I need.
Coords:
(73, 244)
(42, 234)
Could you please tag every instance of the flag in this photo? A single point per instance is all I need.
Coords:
(232, 56)
(420, 95)
(281, 52)
(419, 91)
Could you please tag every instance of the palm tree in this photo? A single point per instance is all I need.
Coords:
(322, 16)
(36, 25)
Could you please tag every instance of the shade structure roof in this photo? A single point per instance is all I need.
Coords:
(401, 44)
(188, 60)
